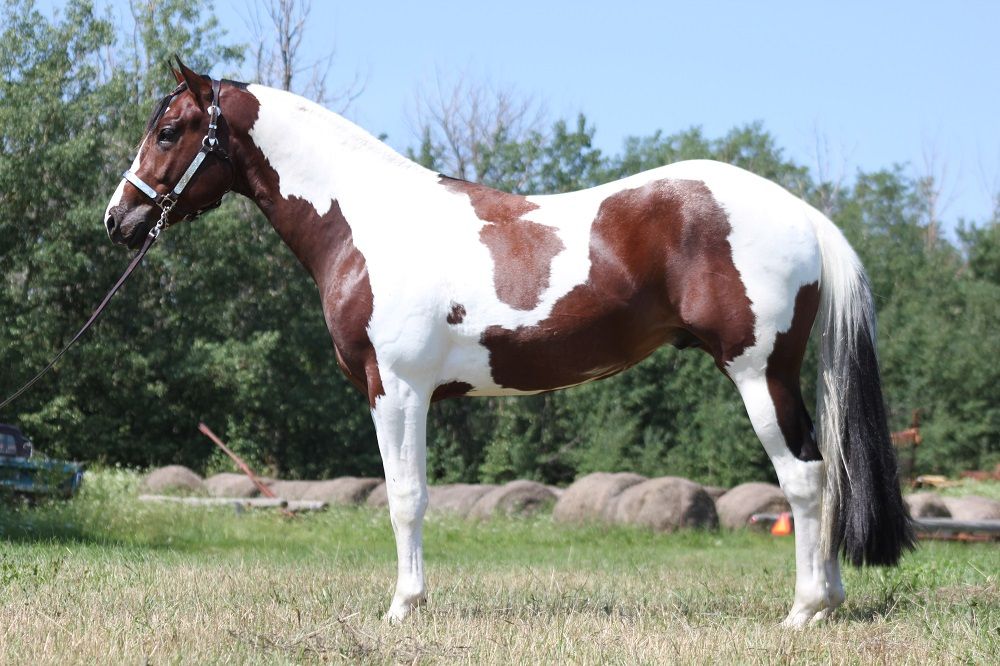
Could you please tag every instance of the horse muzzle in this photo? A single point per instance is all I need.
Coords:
(128, 227)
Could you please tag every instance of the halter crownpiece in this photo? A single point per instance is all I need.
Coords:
(209, 145)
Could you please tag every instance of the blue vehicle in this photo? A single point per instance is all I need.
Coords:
(32, 478)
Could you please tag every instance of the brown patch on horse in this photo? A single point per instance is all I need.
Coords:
(450, 390)
(783, 368)
(522, 250)
(661, 270)
(457, 314)
(324, 245)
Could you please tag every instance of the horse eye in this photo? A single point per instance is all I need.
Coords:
(167, 135)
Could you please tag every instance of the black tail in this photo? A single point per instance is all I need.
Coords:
(875, 526)
(863, 510)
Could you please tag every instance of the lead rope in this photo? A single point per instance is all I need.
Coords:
(151, 237)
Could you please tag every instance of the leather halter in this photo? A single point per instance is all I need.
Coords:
(209, 146)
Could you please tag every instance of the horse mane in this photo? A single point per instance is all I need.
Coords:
(161, 106)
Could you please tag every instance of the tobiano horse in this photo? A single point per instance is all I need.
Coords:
(435, 288)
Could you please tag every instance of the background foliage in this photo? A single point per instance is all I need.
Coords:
(222, 325)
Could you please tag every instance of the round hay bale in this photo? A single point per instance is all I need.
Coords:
(592, 497)
(737, 505)
(517, 498)
(927, 505)
(173, 478)
(973, 507)
(291, 490)
(230, 484)
(457, 498)
(378, 497)
(715, 492)
(347, 490)
(666, 504)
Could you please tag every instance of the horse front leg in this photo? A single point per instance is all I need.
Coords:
(400, 416)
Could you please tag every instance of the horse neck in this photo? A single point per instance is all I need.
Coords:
(303, 164)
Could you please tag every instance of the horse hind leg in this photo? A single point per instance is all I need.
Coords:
(802, 479)
(771, 392)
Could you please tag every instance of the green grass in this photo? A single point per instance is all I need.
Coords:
(964, 487)
(106, 579)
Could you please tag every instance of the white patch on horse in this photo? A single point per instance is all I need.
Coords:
(116, 196)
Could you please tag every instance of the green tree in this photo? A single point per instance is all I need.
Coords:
(223, 325)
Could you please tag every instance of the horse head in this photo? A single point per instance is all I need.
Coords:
(182, 167)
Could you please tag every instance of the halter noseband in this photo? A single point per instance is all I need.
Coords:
(209, 145)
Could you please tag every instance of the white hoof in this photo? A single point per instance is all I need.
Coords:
(821, 616)
(797, 619)
(806, 614)
(400, 609)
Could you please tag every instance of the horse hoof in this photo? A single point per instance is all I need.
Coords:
(396, 615)
(821, 616)
(400, 609)
(796, 620)
(799, 618)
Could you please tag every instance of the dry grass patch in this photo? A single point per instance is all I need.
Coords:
(181, 585)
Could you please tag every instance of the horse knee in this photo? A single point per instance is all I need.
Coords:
(407, 501)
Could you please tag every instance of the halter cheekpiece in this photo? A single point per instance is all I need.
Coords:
(209, 145)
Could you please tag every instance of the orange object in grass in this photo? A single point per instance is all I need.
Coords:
(783, 525)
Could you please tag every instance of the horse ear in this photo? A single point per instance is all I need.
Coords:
(177, 75)
(197, 85)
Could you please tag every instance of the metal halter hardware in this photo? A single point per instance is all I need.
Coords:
(209, 145)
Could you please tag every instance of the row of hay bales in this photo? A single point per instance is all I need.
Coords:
(971, 507)
(663, 504)
(468, 500)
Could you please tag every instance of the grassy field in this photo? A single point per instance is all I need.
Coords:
(105, 579)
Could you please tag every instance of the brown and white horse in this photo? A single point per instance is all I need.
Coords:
(434, 288)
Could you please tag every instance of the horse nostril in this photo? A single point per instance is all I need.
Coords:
(110, 224)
